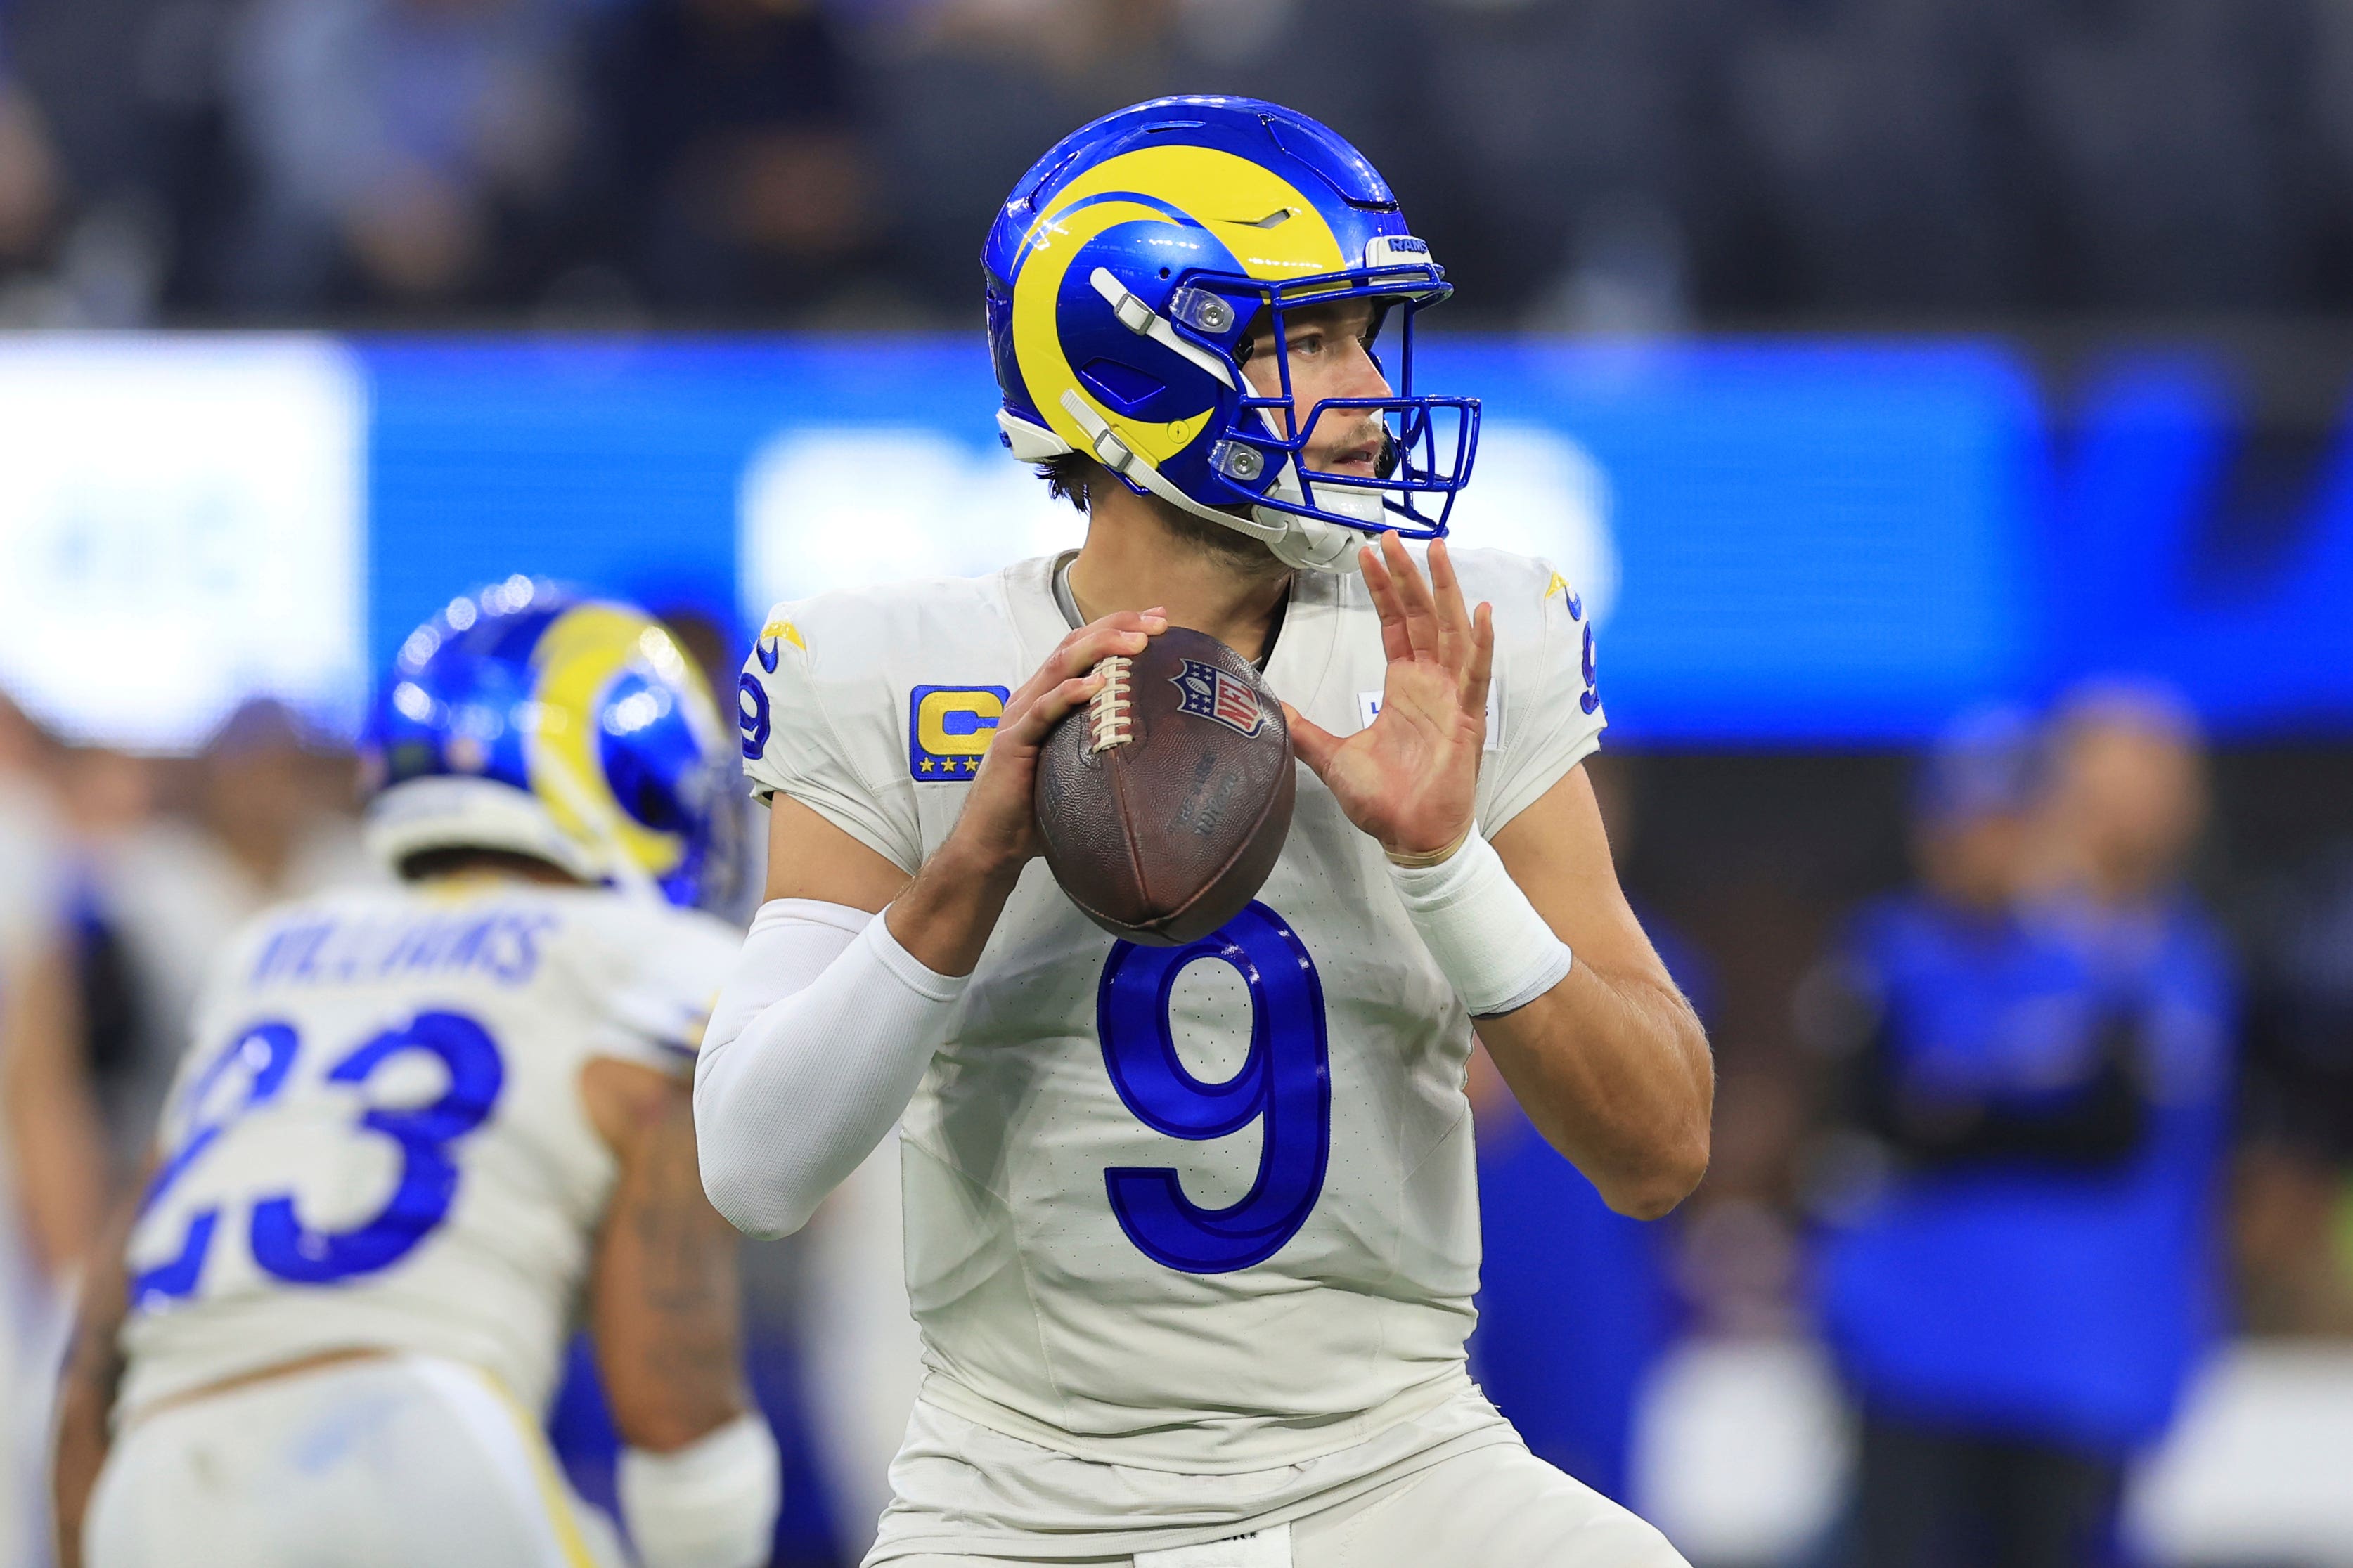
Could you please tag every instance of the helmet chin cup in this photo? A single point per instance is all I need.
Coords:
(1312, 545)
(1303, 543)
(1315, 543)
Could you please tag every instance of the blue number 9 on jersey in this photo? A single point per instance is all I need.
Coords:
(1286, 1084)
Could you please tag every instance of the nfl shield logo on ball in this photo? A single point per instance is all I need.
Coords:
(1208, 692)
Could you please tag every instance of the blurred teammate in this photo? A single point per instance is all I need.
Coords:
(1163, 1310)
(419, 1128)
(2017, 1276)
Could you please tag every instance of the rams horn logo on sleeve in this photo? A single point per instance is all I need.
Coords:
(771, 634)
(948, 728)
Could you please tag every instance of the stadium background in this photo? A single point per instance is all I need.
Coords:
(1864, 360)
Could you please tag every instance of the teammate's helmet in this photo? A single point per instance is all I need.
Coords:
(572, 731)
(1133, 259)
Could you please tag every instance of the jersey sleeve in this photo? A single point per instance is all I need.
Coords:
(816, 727)
(1550, 714)
(658, 974)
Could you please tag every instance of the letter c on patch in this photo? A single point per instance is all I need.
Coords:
(957, 723)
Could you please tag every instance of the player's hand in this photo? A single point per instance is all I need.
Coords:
(998, 829)
(1410, 778)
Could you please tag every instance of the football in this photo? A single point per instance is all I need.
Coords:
(1165, 801)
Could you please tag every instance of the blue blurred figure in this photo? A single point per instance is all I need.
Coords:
(1575, 1303)
(2018, 1272)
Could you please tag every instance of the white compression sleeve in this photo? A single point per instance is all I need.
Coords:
(711, 1504)
(1486, 936)
(814, 1046)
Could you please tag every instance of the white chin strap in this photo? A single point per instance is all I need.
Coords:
(1310, 543)
(1303, 543)
(1316, 538)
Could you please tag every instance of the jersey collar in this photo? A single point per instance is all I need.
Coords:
(1038, 595)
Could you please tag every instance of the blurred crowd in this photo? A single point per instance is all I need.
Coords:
(1614, 165)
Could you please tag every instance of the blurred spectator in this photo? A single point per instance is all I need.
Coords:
(1874, 125)
(50, 1180)
(29, 758)
(2295, 1175)
(736, 159)
(266, 816)
(126, 90)
(2300, 1036)
(2017, 1270)
(1594, 164)
(49, 1172)
(31, 197)
(405, 152)
(29, 177)
(2163, 133)
(1573, 136)
(973, 92)
(107, 920)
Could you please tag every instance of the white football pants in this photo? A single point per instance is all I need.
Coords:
(383, 1463)
(1497, 1507)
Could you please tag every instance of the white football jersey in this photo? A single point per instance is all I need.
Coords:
(1205, 1209)
(377, 1139)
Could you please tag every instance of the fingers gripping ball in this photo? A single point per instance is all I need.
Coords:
(1165, 800)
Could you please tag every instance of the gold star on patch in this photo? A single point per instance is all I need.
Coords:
(927, 764)
(969, 765)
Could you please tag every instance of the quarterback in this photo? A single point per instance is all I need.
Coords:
(1191, 1231)
(418, 1129)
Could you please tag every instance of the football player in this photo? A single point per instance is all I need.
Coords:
(419, 1128)
(1191, 1231)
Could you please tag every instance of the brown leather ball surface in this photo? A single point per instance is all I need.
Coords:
(1164, 802)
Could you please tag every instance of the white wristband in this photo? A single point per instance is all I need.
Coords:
(711, 1504)
(1487, 938)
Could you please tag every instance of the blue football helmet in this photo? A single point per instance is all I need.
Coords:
(572, 730)
(1134, 258)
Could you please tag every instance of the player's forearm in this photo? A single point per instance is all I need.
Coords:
(946, 916)
(61, 1170)
(664, 1300)
(1614, 1072)
(697, 1473)
(817, 1044)
(83, 1401)
(52, 1116)
(87, 1389)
